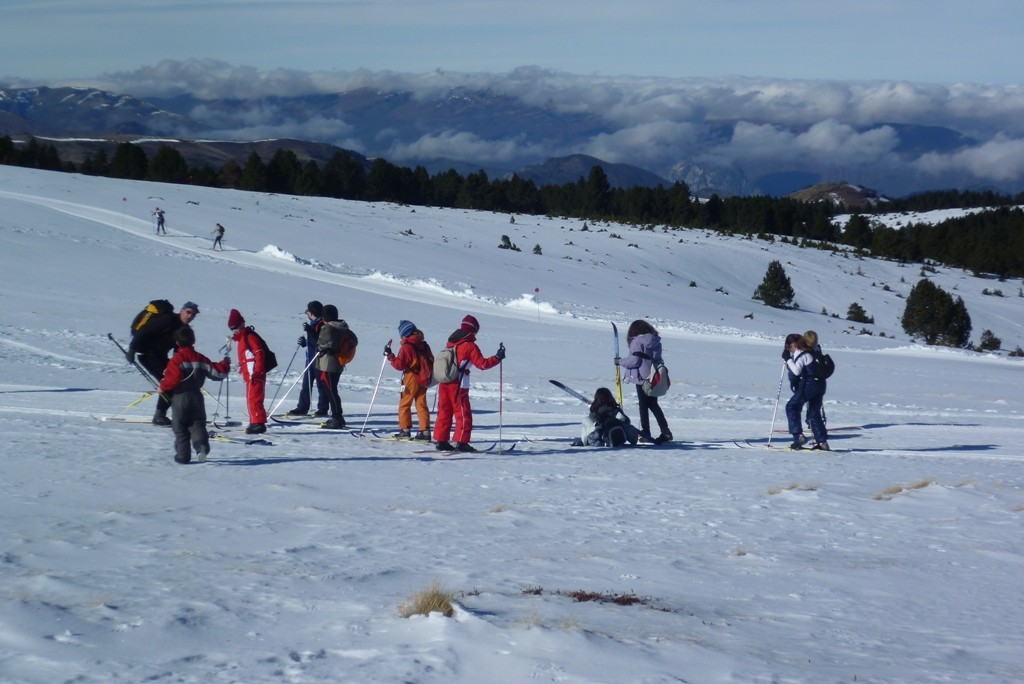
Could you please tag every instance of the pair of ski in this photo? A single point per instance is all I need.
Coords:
(505, 448)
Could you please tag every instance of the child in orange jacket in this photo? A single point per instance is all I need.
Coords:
(416, 361)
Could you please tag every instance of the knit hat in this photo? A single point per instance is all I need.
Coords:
(191, 305)
(470, 324)
(315, 308)
(235, 319)
(330, 312)
(406, 328)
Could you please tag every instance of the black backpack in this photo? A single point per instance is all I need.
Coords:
(269, 357)
(155, 307)
(824, 366)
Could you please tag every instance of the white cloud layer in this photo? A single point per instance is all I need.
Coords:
(843, 126)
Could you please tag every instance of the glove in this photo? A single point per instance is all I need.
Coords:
(642, 355)
(501, 352)
(794, 386)
(130, 355)
(785, 355)
(302, 342)
(617, 359)
(387, 351)
(307, 327)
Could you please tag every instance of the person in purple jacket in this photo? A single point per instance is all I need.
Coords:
(644, 349)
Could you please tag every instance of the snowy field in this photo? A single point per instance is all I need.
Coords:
(897, 558)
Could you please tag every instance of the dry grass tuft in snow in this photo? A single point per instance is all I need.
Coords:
(433, 599)
(889, 492)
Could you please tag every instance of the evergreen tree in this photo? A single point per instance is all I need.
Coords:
(254, 174)
(230, 175)
(857, 314)
(989, 342)
(596, 194)
(283, 171)
(167, 166)
(129, 162)
(933, 315)
(775, 290)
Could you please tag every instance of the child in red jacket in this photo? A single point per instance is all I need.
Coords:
(183, 380)
(453, 397)
(416, 362)
(252, 366)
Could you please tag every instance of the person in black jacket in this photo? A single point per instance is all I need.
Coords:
(153, 342)
(311, 328)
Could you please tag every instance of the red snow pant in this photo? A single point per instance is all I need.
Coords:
(255, 394)
(453, 405)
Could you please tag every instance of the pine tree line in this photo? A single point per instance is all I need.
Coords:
(984, 242)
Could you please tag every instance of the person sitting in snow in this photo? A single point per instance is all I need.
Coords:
(606, 424)
(183, 380)
(416, 361)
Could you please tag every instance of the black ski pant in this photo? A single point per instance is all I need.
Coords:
(310, 378)
(649, 405)
(188, 421)
(156, 364)
(330, 382)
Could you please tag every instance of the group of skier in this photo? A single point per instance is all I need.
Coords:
(330, 345)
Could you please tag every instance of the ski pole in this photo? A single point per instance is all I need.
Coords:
(216, 412)
(618, 368)
(135, 402)
(288, 368)
(295, 382)
(138, 367)
(376, 387)
(775, 412)
(226, 349)
(501, 395)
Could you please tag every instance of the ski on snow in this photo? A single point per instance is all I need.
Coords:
(239, 440)
(479, 450)
(570, 391)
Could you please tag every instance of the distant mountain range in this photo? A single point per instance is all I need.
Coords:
(461, 128)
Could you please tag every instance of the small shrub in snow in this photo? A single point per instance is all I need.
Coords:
(433, 599)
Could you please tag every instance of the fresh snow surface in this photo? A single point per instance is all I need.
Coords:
(897, 558)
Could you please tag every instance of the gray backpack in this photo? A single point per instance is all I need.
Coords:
(446, 366)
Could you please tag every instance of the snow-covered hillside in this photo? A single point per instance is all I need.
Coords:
(894, 559)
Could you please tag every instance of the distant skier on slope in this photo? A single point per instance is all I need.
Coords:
(159, 213)
(218, 235)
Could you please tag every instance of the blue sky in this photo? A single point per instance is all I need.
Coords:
(930, 41)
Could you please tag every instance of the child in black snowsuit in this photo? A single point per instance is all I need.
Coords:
(183, 379)
(606, 424)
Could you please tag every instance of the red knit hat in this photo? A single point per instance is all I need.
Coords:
(470, 324)
(235, 319)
